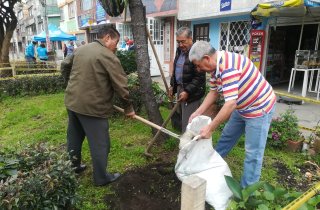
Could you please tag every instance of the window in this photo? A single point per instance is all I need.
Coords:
(20, 15)
(124, 30)
(201, 32)
(235, 36)
(156, 31)
(71, 9)
(86, 5)
(30, 13)
(61, 14)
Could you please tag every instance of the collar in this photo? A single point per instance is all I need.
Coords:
(100, 42)
(218, 63)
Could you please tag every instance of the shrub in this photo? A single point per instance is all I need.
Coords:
(128, 61)
(31, 85)
(45, 180)
(264, 196)
(135, 94)
(284, 128)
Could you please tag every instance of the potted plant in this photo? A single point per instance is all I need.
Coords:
(284, 132)
(314, 140)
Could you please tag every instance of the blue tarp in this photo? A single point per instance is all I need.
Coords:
(55, 34)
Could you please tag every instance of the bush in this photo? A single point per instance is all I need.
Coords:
(45, 180)
(262, 195)
(284, 128)
(135, 94)
(31, 85)
(128, 61)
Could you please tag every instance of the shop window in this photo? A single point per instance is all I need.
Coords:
(235, 36)
(156, 30)
(201, 32)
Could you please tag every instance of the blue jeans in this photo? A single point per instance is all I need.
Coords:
(256, 133)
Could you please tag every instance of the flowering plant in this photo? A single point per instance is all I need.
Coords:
(284, 128)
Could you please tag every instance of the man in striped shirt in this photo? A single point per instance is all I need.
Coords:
(249, 104)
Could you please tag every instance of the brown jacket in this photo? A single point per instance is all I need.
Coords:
(94, 73)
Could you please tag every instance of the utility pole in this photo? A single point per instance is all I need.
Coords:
(45, 24)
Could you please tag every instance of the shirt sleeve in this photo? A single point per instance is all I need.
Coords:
(230, 83)
(119, 82)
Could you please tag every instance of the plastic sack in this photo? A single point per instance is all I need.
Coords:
(197, 157)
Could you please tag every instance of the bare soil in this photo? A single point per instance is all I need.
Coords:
(156, 187)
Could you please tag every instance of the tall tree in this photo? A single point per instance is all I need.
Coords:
(8, 23)
(138, 19)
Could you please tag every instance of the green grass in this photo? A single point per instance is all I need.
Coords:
(28, 120)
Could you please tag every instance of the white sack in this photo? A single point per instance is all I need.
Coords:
(199, 158)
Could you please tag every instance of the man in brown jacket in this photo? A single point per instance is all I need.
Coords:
(94, 73)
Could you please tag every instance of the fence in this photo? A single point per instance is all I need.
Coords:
(23, 68)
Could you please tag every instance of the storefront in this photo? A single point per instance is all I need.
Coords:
(289, 29)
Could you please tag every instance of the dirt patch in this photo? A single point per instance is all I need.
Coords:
(154, 187)
(288, 179)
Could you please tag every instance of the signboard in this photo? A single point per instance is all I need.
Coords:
(256, 47)
(84, 19)
(100, 12)
(225, 5)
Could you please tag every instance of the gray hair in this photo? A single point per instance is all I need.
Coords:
(200, 49)
(184, 30)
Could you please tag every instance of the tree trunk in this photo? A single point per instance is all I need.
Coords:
(138, 20)
(8, 23)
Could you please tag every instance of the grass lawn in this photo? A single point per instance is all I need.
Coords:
(43, 118)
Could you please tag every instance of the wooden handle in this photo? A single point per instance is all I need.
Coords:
(140, 119)
(150, 123)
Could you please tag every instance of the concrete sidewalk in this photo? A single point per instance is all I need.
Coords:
(308, 113)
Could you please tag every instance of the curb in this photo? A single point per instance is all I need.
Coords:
(305, 128)
(280, 93)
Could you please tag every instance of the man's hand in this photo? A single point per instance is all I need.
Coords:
(131, 114)
(170, 94)
(193, 115)
(183, 96)
(206, 132)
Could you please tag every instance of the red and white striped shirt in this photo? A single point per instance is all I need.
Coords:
(237, 78)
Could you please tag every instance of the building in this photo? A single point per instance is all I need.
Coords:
(30, 20)
(269, 39)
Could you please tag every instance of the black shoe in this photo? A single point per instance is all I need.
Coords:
(112, 178)
(80, 169)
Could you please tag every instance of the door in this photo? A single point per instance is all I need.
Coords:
(156, 31)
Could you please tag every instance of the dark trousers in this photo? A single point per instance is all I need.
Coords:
(187, 109)
(97, 132)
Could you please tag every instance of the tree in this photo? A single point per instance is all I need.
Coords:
(138, 20)
(8, 23)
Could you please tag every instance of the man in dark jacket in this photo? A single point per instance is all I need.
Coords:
(186, 81)
(94, 73)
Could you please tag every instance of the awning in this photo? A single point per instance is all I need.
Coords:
(55, 34)
(288, 8)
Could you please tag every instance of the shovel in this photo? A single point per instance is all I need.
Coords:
(166, 131)
(146, 152)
